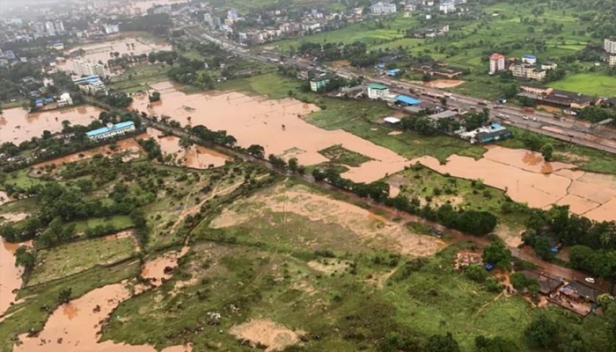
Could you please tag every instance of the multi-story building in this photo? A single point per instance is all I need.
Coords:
(527, 71)
(611, 60)
(111, 28)
(383, 8)
(59, 27)
(50, 28)
(609, 45)
(86, 68)
(377, 91)
(111, 131)
(447, 7)
(529, 59)
(318, 83)
(207, 18)
(65, 100)
(497, 63)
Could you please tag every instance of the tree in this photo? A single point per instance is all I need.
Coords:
(154, 97)
(476, 273)
(256, 150)
(496, 344)
(65, 295)
(543, 247)
(497, 254)
(547, 151)
(24, 257)
(440, 343)
(293, 165)
(185, 142)
(542, 332)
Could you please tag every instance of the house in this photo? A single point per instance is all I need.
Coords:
(492, 133)
(497, 63)
(431, 32)
(448, 72)
(394, 72)
(609, 45)
(578, 291)
(529, 59)
(47, 82)
(383, 9)
(447, 7)
(611, 60)
(111, 131)
(527, 71)
(320, 82)
(549, 66)
(444, 115)
(377, 91)
(65, 100)
(547, 285)
(391, 120)
(406, 100)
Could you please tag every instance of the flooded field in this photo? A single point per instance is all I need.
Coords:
(17, 125)
(102, 51)
(141, 7)
(527, 178)
(75, 327)
(9, 274)
(277, 125)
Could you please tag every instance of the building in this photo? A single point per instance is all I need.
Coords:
(431, 32)
(447, 7)
(383, 9)
(394, 72)
(59, 27)
(65, 100)
(609, 45)
(47, 82)
(320, 82)
(529, 59)
(494, 132)
(50, 29)
(527, 71)
(207, 18)
(611, 60)
(111, 131)
(444, 115)
(406, 100)
(92, 85)
(111, 28)
(377, 91)
(549, 66)
(57, 46)
(86, 68)
(497, 63)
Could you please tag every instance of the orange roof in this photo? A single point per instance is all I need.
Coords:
(496, 56)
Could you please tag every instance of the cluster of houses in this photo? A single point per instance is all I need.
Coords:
(526, 68)
(569, 101)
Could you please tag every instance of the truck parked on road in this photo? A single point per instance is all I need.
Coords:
(527, 109)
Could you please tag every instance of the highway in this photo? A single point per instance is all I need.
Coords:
(565, 129)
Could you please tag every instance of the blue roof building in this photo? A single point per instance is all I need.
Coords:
(394, 72)
(38, 102)
(406, 100)
(529, 56)
(48, 100)
(111, 131)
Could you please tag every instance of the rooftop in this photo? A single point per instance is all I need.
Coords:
(529, 56)
(377, 86)
(497, 56)
(447, 114)
(407, 100)
(102, 130)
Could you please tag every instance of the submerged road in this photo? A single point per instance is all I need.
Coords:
(565, 129)
(393, 214)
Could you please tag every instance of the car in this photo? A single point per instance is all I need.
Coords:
(534, 118)
(590, 280)
(525, 117)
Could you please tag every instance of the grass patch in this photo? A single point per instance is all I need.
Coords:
(119, 222)
(78, 256)
(588, 83)
(339, 155)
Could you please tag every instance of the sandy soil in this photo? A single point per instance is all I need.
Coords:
(527, 178)
(4, 198)
(101, 51)
(549, 108)
(331, 266)
(75, 327)
(301, 201)
(16, 125)
(276, 337)
(258, 120)
(443, 83)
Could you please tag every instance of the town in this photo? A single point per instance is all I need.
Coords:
(292, 175)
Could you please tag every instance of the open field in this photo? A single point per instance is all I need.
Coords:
(588, 83)
(339, 155)
(71, 258)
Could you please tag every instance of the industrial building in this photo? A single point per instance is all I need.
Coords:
(86, 68)
(111, 131)
(377, 91)
(406, 100)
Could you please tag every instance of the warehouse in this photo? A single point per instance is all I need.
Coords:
(111, 131)
(406, 100)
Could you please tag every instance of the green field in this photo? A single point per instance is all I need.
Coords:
(119, 222)
(588, 83)
(75, 257)
(339, 155)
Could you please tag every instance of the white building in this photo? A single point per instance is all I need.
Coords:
(50, 29)
(65, 100)
(447, 7)
(47, 82)
(207, 18)
(497, 63)
(111, 28)
(86, 68)
(59, 27)
(377, 91)
(529, 59)
(111, 131)
(609, 45)
(611, 60)
(383, 8)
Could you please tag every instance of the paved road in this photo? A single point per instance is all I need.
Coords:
(565, 129)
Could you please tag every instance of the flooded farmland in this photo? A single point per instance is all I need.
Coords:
(11, 275)
(17, 125)
(277, 125)
(527, 178)
(75, 327)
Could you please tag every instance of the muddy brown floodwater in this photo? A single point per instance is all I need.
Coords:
(16, 125)
(75, 327)
(258, 120)
(10, 276)
(526, 177)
